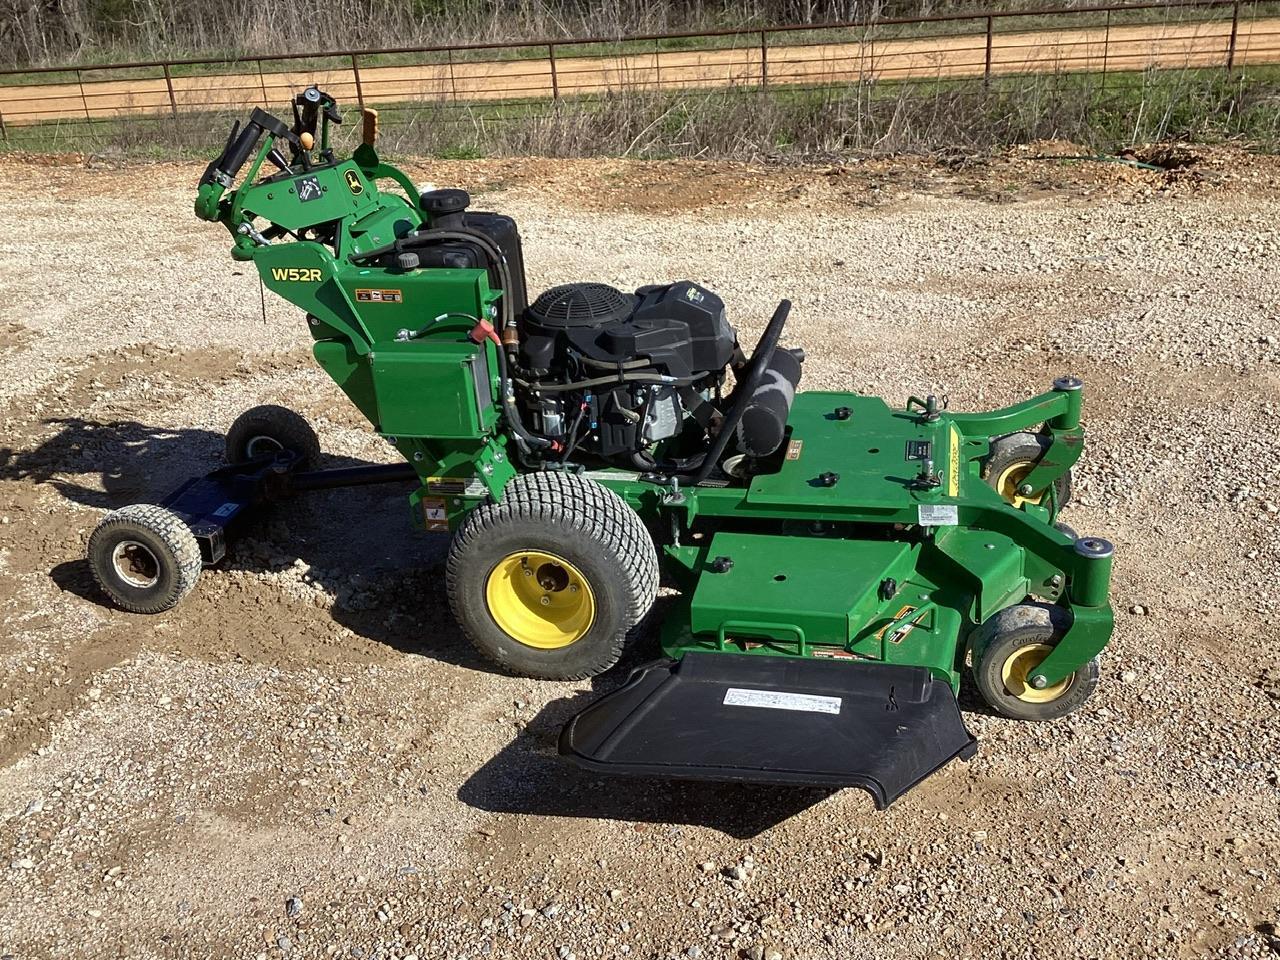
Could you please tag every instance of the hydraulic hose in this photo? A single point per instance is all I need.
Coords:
(617, 380)
(524, 438)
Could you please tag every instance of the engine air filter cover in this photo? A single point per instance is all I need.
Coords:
(581, 305)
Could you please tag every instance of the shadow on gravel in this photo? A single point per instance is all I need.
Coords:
(356, 544)
(528, 776)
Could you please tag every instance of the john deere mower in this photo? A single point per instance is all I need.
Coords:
(842, 565)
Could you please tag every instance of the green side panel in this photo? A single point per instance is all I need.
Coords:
(304, 274)
(350, 372)
(992, 564)
(393, 300)
(317, 196)
(866, 451)
(430, 389)
(790, 588)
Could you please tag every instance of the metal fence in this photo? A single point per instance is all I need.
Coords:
(1119, 38)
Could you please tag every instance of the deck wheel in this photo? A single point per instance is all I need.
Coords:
(1011, 645)
(1014, 456)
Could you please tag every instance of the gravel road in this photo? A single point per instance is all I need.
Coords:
(306, 760)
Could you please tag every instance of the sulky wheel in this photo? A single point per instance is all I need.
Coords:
(1014, 456)
(1012, 644)
(265, 431)
(553, 581)
(144, 557)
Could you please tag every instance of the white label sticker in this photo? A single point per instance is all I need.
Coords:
(226, 510)
(781, 700)
(939, 515)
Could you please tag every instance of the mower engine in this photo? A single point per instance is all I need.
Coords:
(612, 374)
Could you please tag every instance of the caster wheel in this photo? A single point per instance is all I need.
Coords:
(1011, 645)
(554, 581)
(1014, 456)
(144, 558)
(265, 431)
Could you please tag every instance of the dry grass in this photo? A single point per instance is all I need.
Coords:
(748, 123)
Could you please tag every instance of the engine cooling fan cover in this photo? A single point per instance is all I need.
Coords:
(582, 305)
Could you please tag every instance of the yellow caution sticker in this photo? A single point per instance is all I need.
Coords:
(953, 464)
(794, 448)
(434, 515)
(900, 633)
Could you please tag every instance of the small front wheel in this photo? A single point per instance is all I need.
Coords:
(1011, 645)
(267, 430)
(144, 557)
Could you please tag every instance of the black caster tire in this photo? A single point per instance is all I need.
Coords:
(266, 430)
(1010, 646)
(554, 581)
(145, 558)
(1011, 458)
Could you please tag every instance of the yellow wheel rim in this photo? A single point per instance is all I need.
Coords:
(1011, 478)
(540, 599)
(1020, 664)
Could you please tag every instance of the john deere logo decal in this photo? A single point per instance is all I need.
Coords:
(354, 184)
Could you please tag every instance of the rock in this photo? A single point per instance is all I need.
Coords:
(284, 943)
(293, 907)
(693, 952)
(1138, 610)
(736, 872)
(707, 867)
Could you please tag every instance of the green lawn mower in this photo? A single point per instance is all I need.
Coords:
(840, 563)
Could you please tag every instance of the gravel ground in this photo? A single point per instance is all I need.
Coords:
(306, 760)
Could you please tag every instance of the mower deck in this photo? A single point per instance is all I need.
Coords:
(738, 718)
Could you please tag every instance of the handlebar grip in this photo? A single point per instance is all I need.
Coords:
(236, 154)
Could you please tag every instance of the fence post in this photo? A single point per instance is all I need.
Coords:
(1235, 29)
(262, 82)
(764, 60)
(555, 82)
(986, 70)
(84, 102)
(173, 101)
(4, 134)
(1106, 50)
(453, 79)
(355, 71)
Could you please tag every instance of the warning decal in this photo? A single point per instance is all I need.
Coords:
(379, 296)
(938, 514)
(434, 514)
(781, 700)
(901, 632)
